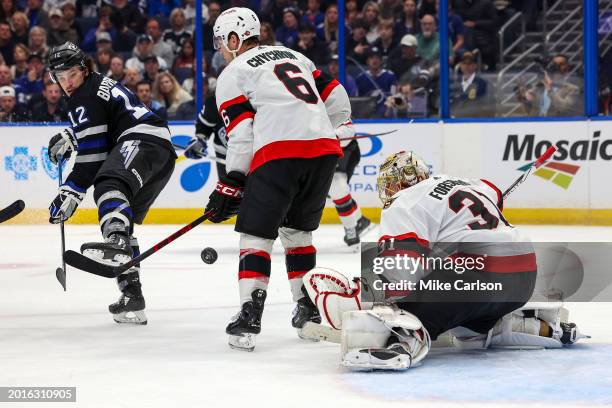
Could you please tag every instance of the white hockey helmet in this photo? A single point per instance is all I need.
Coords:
(240, 20)
(399, 171)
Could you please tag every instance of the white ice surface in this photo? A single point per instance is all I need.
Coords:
(181, 359)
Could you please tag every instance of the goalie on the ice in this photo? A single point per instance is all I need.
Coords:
(123, 150)
(396, 330)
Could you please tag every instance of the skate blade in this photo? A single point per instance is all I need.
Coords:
(307, 335)
(98, 256)
(242, 342)
(137, 317)
(364, 360)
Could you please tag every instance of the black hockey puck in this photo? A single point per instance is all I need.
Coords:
(209, 255)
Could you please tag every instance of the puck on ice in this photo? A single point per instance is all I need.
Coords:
(209, 255)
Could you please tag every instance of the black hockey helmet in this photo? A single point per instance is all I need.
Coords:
(65, 56)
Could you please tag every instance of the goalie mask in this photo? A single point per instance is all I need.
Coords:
(239, 20)
(398, 172)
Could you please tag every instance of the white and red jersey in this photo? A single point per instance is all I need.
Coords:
(272, 105)
(465, 212)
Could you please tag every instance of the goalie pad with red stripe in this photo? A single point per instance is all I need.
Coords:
(333, 294)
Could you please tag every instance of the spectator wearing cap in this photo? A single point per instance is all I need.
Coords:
(103, 41)
(103, 60)
(59, 31)
(176, 35)
(333, 69)
(468, 94)
(376, 81)
(287, 33)
(124, 40)
(6, 42)
(386, 40)
(21, 27)
(408, 23)
(151, 68)
(313, 15)
(10, 111)
(32, 81)
(144, 48)
(20, 59)
(428, 40)
(68, 9)
(479, 19)
(105, 25)
(36, 15)
(52, 108)
(404, 60)
(145, 95)
(6, 79)
(37, 42)
(131, 14)
(160, 48)
(311, 47)
(358, 45)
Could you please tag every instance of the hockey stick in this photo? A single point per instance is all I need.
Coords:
(211, 158)
(86, 264)
(60, 272)
(369, 135)
(535, 165)
(11, 210)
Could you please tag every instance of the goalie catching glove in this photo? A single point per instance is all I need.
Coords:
(225, 200)
(61, 145)
(66, 203)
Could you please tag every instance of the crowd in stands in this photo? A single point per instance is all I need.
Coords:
(392, 51)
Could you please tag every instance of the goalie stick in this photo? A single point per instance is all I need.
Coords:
(535, 165)
(11, 210)
(86, 264)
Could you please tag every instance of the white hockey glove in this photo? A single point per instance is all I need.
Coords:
(61, 144)
(333, 294)
(196, 149)
(65, 204)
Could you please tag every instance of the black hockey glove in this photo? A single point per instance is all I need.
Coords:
(61, 144)
(65, 204)
(196, 149)
(225, 200)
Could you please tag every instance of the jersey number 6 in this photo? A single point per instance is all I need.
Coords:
(298, 86)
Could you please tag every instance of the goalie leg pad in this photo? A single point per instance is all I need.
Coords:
(332, 293)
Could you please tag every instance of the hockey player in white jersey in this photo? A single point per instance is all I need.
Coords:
(420, 214)
(280, 136)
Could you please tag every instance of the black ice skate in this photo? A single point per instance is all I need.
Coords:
(246, 324)
(352, 236)
(130, 306)
(305, 311)
(569, 333)
(114, 251)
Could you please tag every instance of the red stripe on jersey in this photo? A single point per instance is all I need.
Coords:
(342, 200)
(503, 264)
(256, 252)
(500, 198)
(301, 250)
(233, 101)
(296, 274)
(316, 73)
(239, 118)
(253, 275)
(347, 212)
(408, 236)
(328, 89)
(303, 149)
